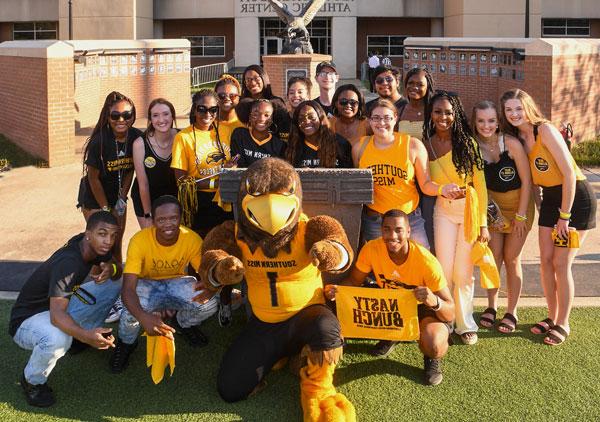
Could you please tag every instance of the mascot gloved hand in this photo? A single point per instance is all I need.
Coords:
(281, 253)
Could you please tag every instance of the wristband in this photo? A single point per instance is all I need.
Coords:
(438, 306)
(106, 208)
(520, 217)
(211, 184)
(440, 187)
(114, 270)
(147, 215)
(564, 215)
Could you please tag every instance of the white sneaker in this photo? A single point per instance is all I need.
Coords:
(115, 312)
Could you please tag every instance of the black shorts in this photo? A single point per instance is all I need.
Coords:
(583, 210)
(209, 213)
(425, 311)
(260, 345)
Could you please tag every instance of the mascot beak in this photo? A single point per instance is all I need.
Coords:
(271, 212)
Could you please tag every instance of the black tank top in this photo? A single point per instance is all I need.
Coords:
(161, 178)
(502, 176)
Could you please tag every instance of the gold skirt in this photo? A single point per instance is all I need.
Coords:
(509, 205)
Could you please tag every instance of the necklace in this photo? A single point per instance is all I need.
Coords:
(167, 146)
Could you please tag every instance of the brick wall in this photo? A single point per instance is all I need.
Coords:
(277, 67)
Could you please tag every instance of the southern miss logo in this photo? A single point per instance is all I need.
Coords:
(541, 164)
(507, 174)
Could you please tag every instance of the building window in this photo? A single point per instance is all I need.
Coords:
(319, 30)
(35, 30)
(386, 45)
(207, 45)
(565, 27)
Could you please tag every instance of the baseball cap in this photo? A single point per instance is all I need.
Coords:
(327, 63)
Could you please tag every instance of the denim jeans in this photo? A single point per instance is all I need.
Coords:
(371, 227)
(48, 343)
(172, 293)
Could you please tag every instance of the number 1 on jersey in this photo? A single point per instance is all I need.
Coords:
(273, 287)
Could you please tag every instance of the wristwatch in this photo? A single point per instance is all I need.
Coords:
(147, 215)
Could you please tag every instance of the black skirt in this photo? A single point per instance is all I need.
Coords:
(583, 210)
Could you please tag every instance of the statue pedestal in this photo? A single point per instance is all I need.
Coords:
(282, 67)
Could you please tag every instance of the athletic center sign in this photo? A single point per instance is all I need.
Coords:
(260, 8)
(384, 314)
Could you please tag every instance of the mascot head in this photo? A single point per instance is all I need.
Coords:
(269, 204)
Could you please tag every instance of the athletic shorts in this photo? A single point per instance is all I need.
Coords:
(583, 211)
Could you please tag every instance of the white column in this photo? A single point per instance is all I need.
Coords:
(247, 48)
(343, 45)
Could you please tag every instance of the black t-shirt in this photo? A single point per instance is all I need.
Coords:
(250, 151)
(309, 157)
(57, 277)
(327, 109)
(114, 160)
(284, 126)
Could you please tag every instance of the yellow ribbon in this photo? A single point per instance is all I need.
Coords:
(471, 219)
(482, 256)
(160, 352)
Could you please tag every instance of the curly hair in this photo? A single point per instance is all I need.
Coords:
(102, 127)
(327, 143)
(430, 86)
(199, 95)
(466, 156)
(361, 113)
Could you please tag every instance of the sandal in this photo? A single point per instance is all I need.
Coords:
(552, 339)
(507, 328)
(487, 321)
(542, 327)
(469, 338)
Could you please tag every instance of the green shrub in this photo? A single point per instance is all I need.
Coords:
(587, 153)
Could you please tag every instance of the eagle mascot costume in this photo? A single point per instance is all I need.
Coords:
(281, 253)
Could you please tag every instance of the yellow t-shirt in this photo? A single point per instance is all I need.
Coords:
(226, 128)
(442, 171)
(148, 259)
(280, 287)
(197, 153)
(393, 175)
(544, 170)
(421, 268)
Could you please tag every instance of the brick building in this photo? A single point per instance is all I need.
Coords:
(244, 30)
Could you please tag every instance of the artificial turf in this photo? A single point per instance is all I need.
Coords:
(503, 377)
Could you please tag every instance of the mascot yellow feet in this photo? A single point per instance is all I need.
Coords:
(320, 401)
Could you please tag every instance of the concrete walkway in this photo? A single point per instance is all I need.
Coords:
(38, 215)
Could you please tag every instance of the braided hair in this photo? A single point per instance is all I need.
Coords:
(465, 153)
(199, 95)
(102, 127)
(327, 142)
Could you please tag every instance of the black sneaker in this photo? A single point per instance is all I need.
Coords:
(383, 348)
(120, 357)
(224, 316)
(193, 336)
(433, 371)
(40, 395)
(77, 347)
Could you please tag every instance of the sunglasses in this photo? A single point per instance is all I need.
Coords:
(222, 96)
(344, 102)
(383, 79)
(204, 110)
(116, 116)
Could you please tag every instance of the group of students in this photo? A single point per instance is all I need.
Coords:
(433, 169)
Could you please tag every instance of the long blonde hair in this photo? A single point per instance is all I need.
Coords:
(532, 111)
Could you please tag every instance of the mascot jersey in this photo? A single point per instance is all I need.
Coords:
(280, 287)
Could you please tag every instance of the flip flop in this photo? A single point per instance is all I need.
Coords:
(542, 327)
(486, 321)
(552, 339)
(505, 328)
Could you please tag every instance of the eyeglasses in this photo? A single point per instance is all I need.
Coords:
(222, 96)
(203, 109)
(116, 116)
(309, 117)
(344, 102)
(383, 79)
(256, 79)
(377, 119)
(327, 74)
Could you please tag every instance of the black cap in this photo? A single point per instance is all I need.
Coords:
(327, 63)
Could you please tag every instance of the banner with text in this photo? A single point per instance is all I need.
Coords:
(383, 314)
